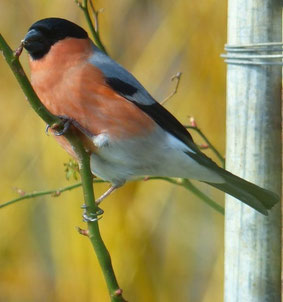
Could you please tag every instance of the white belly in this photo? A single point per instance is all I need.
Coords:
(161, 154)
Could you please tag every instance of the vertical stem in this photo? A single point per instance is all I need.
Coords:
(93, 227)
(252, 241)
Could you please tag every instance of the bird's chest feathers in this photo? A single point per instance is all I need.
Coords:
(69, 85)
(50, 76)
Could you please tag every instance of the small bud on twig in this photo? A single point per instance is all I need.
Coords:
(176, 77)
(19, 50)
(118, 292)
(203, 146)
(193, 121)
(83, 232)
(56, 193)
(20, 191)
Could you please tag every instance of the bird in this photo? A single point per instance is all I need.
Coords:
(125, 130)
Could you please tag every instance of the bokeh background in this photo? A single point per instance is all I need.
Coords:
(165, 243)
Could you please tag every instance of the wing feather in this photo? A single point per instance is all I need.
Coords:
(126, 85)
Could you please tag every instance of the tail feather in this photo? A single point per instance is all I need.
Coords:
(256, 197)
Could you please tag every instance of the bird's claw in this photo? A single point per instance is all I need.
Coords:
(47, 129)
(66, 122)
(92, 216)
(66, 126)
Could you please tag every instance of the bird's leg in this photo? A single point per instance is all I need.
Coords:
(107, 193)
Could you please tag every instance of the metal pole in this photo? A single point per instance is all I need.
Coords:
(253, 241)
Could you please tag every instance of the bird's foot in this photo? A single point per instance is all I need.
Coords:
(91, 217)
(65, 123)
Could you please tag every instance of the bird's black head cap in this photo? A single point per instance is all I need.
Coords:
(46, 32)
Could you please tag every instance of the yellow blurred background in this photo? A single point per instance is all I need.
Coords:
(165, 243)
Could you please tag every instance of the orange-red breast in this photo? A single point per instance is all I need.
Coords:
(127, 132)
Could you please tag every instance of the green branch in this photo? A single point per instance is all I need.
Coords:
(93, 211)
(84, 164)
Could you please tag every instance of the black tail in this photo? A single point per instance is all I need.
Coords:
(256, 197)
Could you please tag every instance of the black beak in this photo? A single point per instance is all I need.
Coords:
(31, 37)
(36, 44)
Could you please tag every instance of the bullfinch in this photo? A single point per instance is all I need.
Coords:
(127, 132)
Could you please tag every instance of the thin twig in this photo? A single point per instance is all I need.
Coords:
(176, 77)
(95, 15)
(94, 29)
(92, 211)
(187, 184)
(193, 123)
(180, 182)
(209, 144)
(52, 193)
(195, 127)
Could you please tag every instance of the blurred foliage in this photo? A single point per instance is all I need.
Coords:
(72, 169)
(165, 244)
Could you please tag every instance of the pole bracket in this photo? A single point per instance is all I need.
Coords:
(254, 54)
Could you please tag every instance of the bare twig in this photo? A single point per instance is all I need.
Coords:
(95, 15)
(176, 77)
(194, 127)
(187, 184)
(193, 124)
(180, 182)
(52, 193)
(93, 28)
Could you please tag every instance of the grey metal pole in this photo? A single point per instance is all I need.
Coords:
(253, 241)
